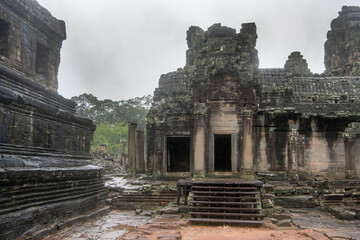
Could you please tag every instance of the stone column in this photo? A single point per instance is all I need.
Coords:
(199, 145)
(247, 143)
(123, 155)
(349, 136)
(140, 161)
(132, 145)
(199, 140)
(350, 167)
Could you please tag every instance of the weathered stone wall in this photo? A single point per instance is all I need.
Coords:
(46, 174)
(314, 146)
(33, 199)
(357, 154)
(44, 121)
(33, 51)
(301, 118)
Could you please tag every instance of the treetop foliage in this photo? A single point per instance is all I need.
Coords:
(112, 117)
(111, 112)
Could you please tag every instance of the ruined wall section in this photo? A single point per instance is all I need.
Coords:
(30, 41)
(296, 119)
(169, 115)
(46, 173)
(342, 53)
(32, 114)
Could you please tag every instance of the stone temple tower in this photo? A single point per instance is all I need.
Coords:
(342, 49)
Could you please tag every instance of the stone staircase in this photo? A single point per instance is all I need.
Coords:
(128, 194)
(226, 201)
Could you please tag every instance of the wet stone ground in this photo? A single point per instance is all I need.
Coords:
(166, 223)
(308, 224)
(324, 222)
(114, 225)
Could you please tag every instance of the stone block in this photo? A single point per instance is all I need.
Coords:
(334, 196)
(284, 223)
(348, 215)
(267, 203)
(284, 190)
(280, 216)
(303, 190)
(268, 188)
(295, 201)
(268, 196)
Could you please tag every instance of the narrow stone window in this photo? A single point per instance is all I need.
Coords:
(42, 59)
(4, 38)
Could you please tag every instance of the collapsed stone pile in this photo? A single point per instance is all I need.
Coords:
(340, 197)
(111, 164)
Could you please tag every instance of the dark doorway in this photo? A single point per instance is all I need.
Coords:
(178, 154)
(222, 153)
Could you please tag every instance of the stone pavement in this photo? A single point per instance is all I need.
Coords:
(165, 224)
(109, 227)
(324, 222)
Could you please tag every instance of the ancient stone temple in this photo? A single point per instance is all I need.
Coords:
(46, 176)
(223, 115)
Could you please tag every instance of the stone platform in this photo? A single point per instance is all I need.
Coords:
(33, 198)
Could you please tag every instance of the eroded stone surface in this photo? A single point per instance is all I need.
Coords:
(342, 55)
(46, 173)
(325, 223)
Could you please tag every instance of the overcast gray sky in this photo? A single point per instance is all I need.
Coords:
(117, 49)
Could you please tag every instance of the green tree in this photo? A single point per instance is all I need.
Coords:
(112, 117)
(110, 134)
(108, 111)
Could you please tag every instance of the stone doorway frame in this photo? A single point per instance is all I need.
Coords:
(165, 155)
(234, 143)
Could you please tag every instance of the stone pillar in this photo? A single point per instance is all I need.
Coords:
(199, 145)
(132, 145)
(247, 143)
(349, 136)
(140, 161)
(150, 148)
(123, 156)
(350, 167)
(199, 139)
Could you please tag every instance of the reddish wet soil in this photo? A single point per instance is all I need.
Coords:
(225, 233)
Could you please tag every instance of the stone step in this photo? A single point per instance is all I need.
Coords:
(212, 220)
(227, 214)
(225, 187)
(228, 209)
(245, 198)
(224, 203)
(225, 192)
